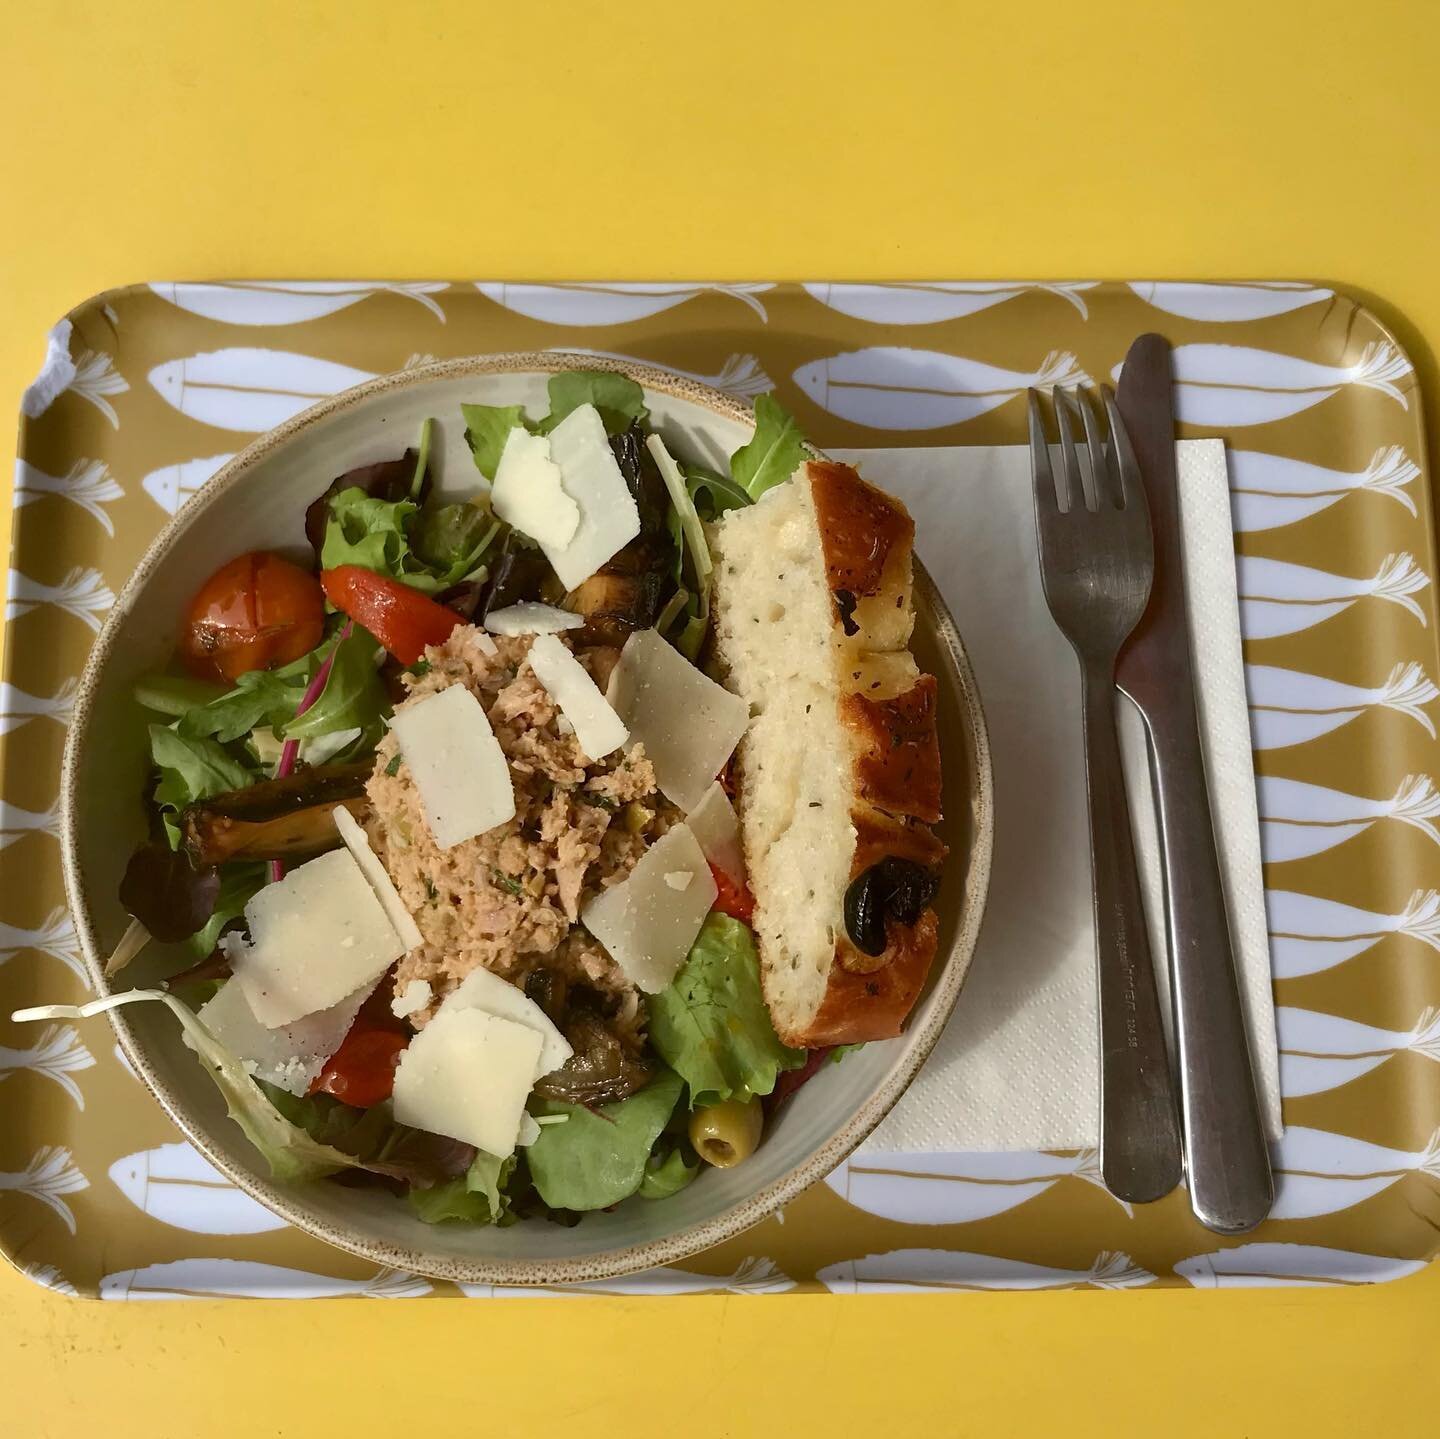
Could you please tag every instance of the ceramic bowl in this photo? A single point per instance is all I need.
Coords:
(257, 501)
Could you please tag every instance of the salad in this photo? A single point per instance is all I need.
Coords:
(440, 811)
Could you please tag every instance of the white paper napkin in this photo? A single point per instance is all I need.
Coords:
(1018, 1065)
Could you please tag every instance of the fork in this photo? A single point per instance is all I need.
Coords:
(1097, 563)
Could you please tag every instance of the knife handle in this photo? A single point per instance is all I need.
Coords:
(1226, 1158)
(1139, 1125)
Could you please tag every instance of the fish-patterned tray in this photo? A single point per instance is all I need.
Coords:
(146, 391)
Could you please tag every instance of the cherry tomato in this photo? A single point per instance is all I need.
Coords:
(733, 899)
(401, 618)
(362, 1071)
(255, 612)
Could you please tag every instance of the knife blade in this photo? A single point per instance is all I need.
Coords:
(1226, 1159)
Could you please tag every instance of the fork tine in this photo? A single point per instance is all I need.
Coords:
(1122, 454)
(1041, 474)
(1102, 473)
(1075, 496)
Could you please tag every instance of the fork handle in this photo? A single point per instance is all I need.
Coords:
(1139, 1127)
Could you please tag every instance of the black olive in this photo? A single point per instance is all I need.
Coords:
(845, 603)
(865, 912)
(892, 888)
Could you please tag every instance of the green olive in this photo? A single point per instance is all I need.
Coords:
(724, 1134)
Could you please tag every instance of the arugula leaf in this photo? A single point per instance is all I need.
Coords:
(618, 398)
(668, 1171)
(711, 1025)
(174, 695)
(367, 532)
(239, 884)
(598, 1157)
(192, 767)
(452, 538)
(354, 696)
(775, 453)
(260, 696)
(487, 427)
(477, 1197)
(713, 494)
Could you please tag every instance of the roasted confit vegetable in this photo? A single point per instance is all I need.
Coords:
(286, 819)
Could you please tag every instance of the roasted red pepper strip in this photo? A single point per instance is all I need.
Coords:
(733, 899)
(401, 618)
(362, 1071)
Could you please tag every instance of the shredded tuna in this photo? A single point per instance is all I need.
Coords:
(509, 900)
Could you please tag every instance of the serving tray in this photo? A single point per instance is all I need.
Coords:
(146, 391)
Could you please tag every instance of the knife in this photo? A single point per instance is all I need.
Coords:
(1226, 1159)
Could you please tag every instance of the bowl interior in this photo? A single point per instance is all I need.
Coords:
(259, 501)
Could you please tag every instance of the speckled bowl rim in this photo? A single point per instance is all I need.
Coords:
(604, 1264)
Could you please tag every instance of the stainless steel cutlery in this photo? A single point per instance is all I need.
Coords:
(1096, 563)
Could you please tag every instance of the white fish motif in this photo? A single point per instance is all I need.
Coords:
(1321, 1173)
(1309, 935)
(956, 1188)
(1319, 1052)
(754, 1276)
(1278, 598)
(82, 593)
(248, 1279)
(609, 304)
(177, 1185)
(1299, 819)
(927, 303)
(1288, 707)
(87, 483)
(49, 1277)
(290, 302)
(1291, 1266)
(57, 1054)
(19, 708)
(49, 1177)
(15, 822)
(1228, 303)
(1268, 491)
(1231, 385)
(889, 388)
(55, 937)
(250, 390)
(908, 1271)
(740, 375)
(91, 376)
(171, 485)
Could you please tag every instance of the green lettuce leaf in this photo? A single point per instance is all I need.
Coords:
(773, 455)
(597, 1157)
(367, 532)
(450, 539)
(476, 1197)
(487, 427)
(354, 696)
(710, 1024)
(619, 399)
(668, 1170)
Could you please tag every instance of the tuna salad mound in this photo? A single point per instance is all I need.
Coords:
(444, 865)
(509, 900)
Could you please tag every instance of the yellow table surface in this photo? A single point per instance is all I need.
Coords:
(1223, 139)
